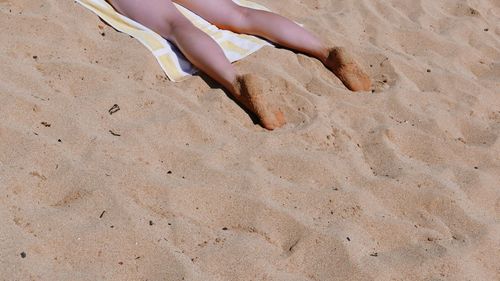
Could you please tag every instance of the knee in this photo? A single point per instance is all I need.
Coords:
(238, 19)
(167, 26)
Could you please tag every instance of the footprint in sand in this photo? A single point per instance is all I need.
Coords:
(381, 71)
(477, 134)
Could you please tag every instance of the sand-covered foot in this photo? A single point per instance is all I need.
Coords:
(254, 93)
(347, 70)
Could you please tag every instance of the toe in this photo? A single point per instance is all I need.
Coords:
(275, 121)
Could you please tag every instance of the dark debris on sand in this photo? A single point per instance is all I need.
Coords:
(115, 108)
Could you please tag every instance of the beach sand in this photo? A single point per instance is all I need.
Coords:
(180, 184)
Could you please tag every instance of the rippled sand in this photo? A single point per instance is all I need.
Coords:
(180, 184)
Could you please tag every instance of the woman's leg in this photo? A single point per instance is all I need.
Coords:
(227, 15)
(163, 17)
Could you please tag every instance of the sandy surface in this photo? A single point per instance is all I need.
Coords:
(401, 184)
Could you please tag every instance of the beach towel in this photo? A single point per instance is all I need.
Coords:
(176, 66)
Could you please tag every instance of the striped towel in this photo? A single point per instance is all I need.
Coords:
(175, 65)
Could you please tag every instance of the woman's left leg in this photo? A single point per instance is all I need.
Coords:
(228, 15)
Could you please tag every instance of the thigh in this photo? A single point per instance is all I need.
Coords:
(218, 12)
(153, 14)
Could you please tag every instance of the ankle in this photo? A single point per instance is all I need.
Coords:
(324, 54)
(236, 87)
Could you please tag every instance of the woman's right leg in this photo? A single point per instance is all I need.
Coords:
(163, 17)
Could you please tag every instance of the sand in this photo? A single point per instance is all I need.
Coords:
(180, 184)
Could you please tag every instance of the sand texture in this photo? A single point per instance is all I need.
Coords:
(180, 184)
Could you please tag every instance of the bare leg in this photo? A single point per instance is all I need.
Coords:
(162, 17)
(228, 15)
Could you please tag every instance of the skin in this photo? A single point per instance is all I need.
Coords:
(200, 49)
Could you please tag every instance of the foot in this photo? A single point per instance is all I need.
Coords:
(251, 92)
(347, 70)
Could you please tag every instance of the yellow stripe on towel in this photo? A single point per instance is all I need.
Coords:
(171, 60)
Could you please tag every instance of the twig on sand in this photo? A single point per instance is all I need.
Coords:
(115, 108)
